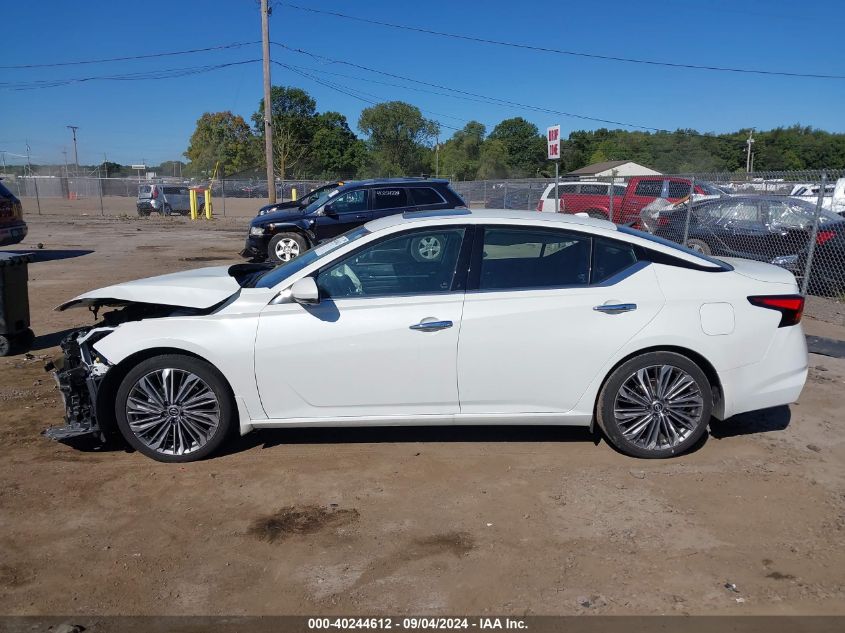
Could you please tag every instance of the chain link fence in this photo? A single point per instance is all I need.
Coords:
(790, 219)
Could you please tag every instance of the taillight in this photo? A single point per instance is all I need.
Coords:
(791, 307)
(155, 193)
(824, 236)
(540, 204)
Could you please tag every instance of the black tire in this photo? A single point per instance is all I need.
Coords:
(5, 345)
(699, 246)
(597, 214)
(166, 210)
(293, 242)
(609, 421)
(213, 381)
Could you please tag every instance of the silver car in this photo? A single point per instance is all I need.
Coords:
(165, 199)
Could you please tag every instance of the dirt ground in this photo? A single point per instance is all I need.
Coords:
(427, 521)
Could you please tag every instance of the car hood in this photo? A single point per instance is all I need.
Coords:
(270, 208)
(200, 288)
(281, 215)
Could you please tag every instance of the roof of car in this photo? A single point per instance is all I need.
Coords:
(558, 220)
(396, 181)
(481, 215)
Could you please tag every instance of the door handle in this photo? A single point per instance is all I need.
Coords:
(431, 326)
(616, 308)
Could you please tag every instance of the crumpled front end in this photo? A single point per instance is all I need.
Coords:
(79, 371)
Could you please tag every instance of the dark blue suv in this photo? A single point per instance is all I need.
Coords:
(281, 235)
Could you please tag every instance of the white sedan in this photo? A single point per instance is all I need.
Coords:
(459, 317)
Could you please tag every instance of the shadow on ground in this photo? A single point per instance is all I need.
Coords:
(49, 256)
(764, 421)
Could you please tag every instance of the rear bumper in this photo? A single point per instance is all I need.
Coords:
(776, 380)
(13, 233)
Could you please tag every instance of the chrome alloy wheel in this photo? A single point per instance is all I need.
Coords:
(658, 407)
(287, 249)
(172, 411)
(429, 247)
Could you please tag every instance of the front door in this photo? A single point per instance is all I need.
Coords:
(381, 342)
(342, 213)
(532, 339)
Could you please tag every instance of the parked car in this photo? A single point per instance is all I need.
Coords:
(520, 197)
(166, 199)
(304, 201)
(283, 235)
(593, 198)
(754, 227)
(644, 337)
(827, 276)
(12, 225)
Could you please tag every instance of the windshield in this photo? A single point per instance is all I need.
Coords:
(283, 271)
(710, 189)
(320, 193)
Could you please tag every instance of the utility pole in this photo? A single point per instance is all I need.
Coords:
(437, 158)
(106, 164)
(748, 144)
(268, 113)
(73, 129)
(64, 153)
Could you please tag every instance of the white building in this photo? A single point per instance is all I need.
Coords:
(623, 168)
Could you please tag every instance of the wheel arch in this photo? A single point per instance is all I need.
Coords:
(107, 390)
(705, 365)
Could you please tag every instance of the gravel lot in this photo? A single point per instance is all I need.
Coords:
(368, 521)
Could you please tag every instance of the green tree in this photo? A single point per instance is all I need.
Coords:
(337, 151)
(223, 137)
(292, 115)
(526, 148)
(460, 155)
(397, 136)
(493, 159)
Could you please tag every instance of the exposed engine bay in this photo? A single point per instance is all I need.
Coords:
(80, 370)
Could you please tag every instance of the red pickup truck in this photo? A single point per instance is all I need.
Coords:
(593, 198)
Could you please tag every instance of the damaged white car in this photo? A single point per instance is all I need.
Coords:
(458, 317)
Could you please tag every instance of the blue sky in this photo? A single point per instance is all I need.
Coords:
(152, 120)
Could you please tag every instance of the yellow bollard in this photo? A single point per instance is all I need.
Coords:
(209, 209)
(193, 199)
(293, 194)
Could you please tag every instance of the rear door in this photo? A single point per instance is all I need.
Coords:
(531, 337)
(390, 201)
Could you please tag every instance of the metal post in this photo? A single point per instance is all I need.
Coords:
(808, 267)
(557, 186)
(505, 198)
(34, 180)
(223, 192)
(100, 189)
(689, 210)
(610, 192)
(268, 111)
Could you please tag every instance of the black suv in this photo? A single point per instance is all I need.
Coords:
(282, 235)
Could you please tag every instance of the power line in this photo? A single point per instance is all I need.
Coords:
(131, 57)
(167, 73)
(544, 49)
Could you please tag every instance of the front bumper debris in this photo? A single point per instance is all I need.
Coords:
(78, 376)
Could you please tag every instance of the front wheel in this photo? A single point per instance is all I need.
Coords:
(285, 247)
(174, 408)
(655, 405)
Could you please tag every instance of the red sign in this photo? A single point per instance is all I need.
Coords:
(553, 141)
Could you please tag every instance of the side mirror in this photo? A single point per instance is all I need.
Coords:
(305, 291)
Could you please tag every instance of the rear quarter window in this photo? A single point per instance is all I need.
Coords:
(425, 196)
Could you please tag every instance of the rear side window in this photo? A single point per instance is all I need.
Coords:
(425, 196)
(594, 189)
(610, 257)
(678, 189)
(391, 198)
(176, 191)
(650, 188)
(533, 258)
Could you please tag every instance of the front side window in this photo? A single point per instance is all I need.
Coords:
(514, 258)
(350, 202)
(392, 198)
(745, 213)
(418, 262)
(678, 189)
(618, 190)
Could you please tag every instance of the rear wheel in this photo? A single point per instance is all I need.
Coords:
(699, 246)
(174, 408)
(166, 210)
(655, 405)
(285, 247)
